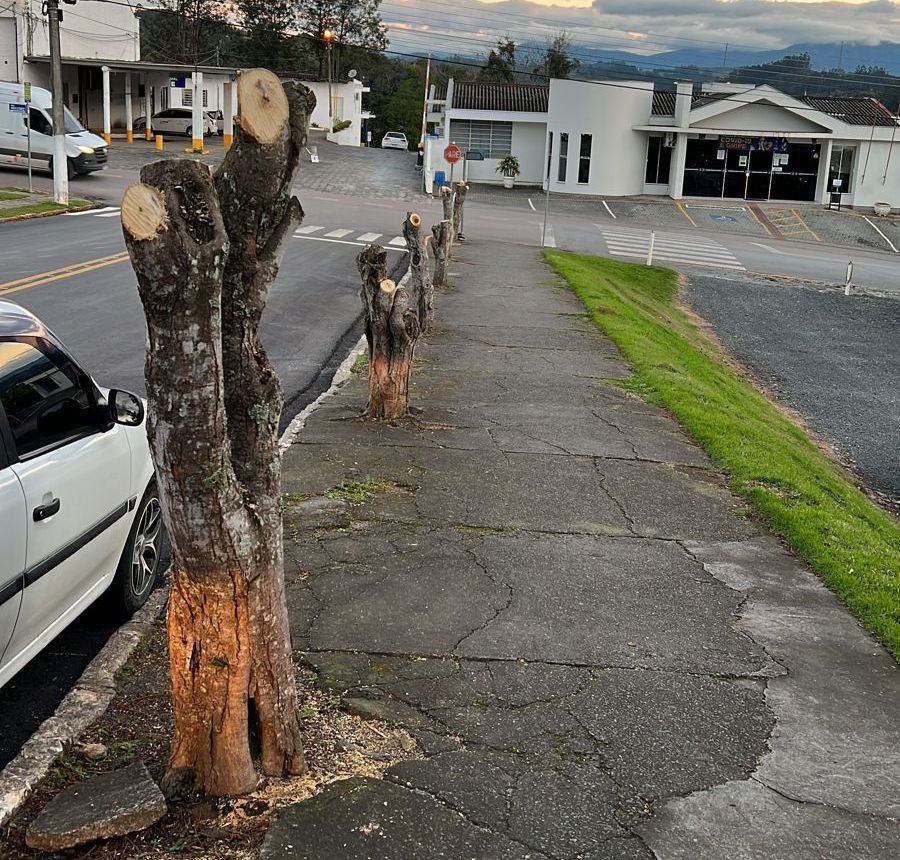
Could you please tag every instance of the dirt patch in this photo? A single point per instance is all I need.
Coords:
(138, 727)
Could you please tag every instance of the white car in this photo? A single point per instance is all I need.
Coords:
(395, 140)
(176, 121)
(79, 509)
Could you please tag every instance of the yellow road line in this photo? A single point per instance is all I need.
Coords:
(805, 225)
(684, 212)
(60, 274)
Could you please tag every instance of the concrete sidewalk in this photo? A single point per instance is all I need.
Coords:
(600, 653)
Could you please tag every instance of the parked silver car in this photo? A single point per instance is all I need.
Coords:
(176, 121)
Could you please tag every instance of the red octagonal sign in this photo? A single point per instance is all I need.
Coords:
(452, 154)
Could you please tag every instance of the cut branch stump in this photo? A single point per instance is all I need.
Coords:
(459, 199)
(206, 251)
(421, 284)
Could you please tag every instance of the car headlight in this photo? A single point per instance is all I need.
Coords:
(87, 150)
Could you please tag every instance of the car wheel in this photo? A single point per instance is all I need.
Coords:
(189, 131)
(138, 568)
(70, 168)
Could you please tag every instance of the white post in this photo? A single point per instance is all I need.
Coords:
(848, 286)
(197, 121)
(228, 113)
(650, 249)
(148, 109)
(129, 117)
(107, 121)
(60, 160)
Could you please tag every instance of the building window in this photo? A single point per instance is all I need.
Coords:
(659, 158)
(494, 139)
(549, 154)
(205, 98)
(841, 168)
(584, 159)
(187, 97)
(563, 157)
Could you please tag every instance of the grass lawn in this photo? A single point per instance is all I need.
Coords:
(45, 207)
(12, 194)
(850, 542)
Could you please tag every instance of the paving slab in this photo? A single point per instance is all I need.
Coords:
(600, 652)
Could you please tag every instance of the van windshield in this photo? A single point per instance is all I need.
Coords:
(72, 125)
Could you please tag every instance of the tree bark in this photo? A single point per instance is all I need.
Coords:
(392, 330)
(206, 251)
(459, 199)
(421, 285)
(443, 236)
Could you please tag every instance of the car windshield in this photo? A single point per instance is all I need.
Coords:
(72, 125)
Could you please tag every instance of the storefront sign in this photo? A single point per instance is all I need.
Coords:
(762, 144)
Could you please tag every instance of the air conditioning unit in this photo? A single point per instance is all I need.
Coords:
(669, 139)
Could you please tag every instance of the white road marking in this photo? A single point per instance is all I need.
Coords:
(613, 214)
(671, 248)
(878, 231)
(398, 240)
(531, 205)
(108, 214)
(338, 234)
(368, 237)
(305, 231)
(769, 249)
(114, 210)
(345, 242)
(550, 239)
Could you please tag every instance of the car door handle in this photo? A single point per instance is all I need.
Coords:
(43, 512)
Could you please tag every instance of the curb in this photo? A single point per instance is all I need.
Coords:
(84, 704)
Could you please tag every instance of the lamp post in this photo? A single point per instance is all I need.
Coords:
(329, 38)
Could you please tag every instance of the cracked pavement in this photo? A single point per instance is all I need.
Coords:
(601, 654)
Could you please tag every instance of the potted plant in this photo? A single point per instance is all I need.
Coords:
(508, 168)
(882, 209)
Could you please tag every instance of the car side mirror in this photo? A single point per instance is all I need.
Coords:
(125, 408)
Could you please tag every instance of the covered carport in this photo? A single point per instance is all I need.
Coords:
(107, 95)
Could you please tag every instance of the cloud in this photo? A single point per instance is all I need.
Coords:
(646, 26)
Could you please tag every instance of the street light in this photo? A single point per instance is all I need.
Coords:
(328, 36)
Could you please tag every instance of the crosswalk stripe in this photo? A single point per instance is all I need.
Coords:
(368, 237)
(398, 240)
(108, 214)
(659, 250)
(112, 209)
(305, 231)
(689, 260)
(338, 234)
(662, 240)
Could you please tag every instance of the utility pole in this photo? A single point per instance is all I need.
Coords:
(425, 104)
(60, 163)
(329, 38)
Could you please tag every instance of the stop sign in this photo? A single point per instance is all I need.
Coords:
(452, 154)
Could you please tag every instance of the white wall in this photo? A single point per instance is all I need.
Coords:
(9, 55)
(347, 102)
(869, 182)
(609, 113)
(112, 31)
(759, 117)
(528, 145)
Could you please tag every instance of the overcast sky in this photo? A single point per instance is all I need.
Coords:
(649, 26)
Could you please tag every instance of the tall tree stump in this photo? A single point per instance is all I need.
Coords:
(444, 235)
(459, 199)
(393, 327)
(206, 251)
(421, 284)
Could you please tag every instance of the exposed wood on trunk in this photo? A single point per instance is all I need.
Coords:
(459, 199)
(392, 330)
(421, 285)
(447, 203)
(206, 251)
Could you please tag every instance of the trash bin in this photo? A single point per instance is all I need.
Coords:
(440, 178)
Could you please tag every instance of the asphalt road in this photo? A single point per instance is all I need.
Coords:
(834, 360)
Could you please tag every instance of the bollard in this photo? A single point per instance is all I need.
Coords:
(650, 249)
(160, 143)
(848, 285)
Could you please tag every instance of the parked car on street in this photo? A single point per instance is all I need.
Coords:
(176, 121)
(395, 140)
(80, 515)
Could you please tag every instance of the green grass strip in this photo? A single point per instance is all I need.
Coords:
(848, 540)
(45, 207)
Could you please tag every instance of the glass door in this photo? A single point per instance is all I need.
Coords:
(736, 172)
(759, 180)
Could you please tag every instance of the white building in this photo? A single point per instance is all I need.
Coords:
(623, 138)
(97, 36)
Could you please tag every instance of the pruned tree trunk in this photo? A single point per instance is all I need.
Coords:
(206, 251)
(443, 238)
(392, 331)
(459, 199)
(421, 285)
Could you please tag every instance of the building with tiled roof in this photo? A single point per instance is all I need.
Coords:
(625, 138)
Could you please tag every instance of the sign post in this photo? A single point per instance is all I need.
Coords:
(452, 154)
(28, 130)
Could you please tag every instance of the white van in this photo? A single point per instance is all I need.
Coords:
(85, 151)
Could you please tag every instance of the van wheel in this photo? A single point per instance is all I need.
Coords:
(70, 168)
(189, 131)
(138, 569)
